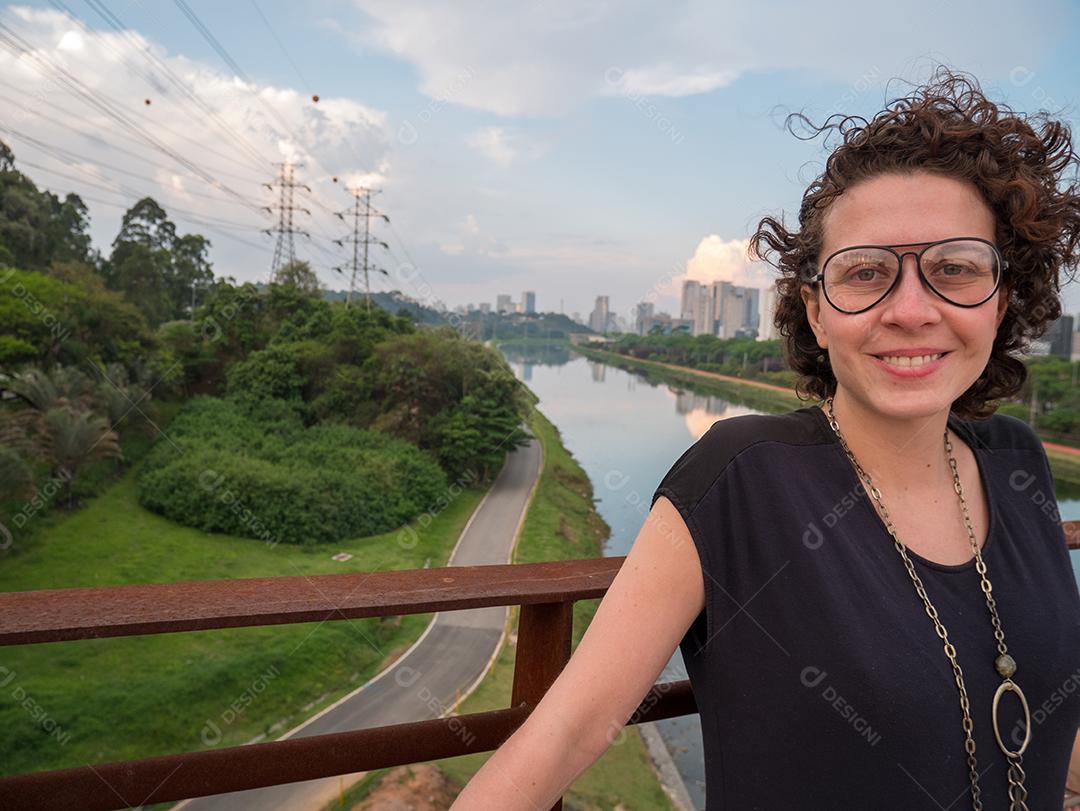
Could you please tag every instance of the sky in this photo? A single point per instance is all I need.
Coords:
(573, 149)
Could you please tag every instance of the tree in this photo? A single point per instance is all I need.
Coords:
(191, 268)
(66, 317)
(43, 391)
(232, 318)
(141, 274)
(147, 224)
(153, 266)
(107, 326)
(36, 227)
(68, 231)
(476, 433)
(68, 418)
(455, 398)
(74, 438)
(298, 274)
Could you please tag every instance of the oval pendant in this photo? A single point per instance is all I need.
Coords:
(1010, 686)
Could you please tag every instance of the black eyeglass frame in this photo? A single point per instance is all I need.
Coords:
(1002, 263)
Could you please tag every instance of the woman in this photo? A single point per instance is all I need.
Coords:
(860, 587)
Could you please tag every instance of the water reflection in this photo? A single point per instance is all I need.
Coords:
(625, 429)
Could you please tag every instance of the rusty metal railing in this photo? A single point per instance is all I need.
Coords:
(546, 593)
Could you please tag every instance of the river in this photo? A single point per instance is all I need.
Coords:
(625, 432)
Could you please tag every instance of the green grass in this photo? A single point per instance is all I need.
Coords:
(135, 697)
(1065, 468)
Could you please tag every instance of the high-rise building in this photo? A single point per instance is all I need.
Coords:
(643, 313)
(721, 308)
(1057, 340)
(528, 302)
(503, 303)
(692, 308)
(599, 319)
(768, 331)
(741, 318)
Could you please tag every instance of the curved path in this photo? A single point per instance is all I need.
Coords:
(442, 667)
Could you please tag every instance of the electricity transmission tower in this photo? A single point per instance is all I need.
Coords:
(284, 249)
(361, 209)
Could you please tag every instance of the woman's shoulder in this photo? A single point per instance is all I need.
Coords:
(1002, 431)
(706, 459)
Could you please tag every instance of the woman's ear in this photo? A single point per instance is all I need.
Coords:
(811, 296)
(1003, 305)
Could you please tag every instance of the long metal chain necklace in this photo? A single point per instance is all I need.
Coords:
(1005, 664)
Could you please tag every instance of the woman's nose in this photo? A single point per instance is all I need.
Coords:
(910, 298)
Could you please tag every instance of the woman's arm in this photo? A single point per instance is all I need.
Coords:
(652, 601)
(1072, 780)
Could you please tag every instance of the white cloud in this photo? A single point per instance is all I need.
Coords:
(71, 41)
(717, 259)
(502, 146)
(665, 80)
(547, 58)
(469, 238)
(493, 143)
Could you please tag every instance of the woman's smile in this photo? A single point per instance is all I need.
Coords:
(918, 366)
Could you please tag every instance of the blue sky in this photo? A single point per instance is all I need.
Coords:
(571, 149)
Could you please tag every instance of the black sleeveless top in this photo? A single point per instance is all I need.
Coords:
(820, 680)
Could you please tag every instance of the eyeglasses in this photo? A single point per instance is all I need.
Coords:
(964, 271)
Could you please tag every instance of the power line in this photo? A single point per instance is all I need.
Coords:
(281, 45)
(303, 80)
(152, 80)
(99, 141)
(76, 160)
(209, 226)
(19, 46)
(285, 249)
(131, 129)
(367, 212)
(117, 25)
(233, 65)
(227, 58)
(133, 193)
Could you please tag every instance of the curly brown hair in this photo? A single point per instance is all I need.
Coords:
(950, 127)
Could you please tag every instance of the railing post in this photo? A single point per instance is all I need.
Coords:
(543, 649)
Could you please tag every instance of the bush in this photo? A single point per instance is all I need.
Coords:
(1060, 420)
(252, 469)
(1018, 410)
(272, 372)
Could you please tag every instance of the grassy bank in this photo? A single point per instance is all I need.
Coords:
(102, 700)
(750, 393)
(561, 524)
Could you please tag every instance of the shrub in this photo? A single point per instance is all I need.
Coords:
(252, 469)
(271, 372)
(1060, 420)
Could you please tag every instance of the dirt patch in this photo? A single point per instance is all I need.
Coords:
(419, 787)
